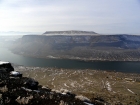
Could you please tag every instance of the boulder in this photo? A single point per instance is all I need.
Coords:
(31, 84)
(6, 67)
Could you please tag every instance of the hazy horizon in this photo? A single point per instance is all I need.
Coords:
(18, 33)
(105, 17)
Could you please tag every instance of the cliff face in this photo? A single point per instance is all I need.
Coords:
(123, 41)
(95, 47)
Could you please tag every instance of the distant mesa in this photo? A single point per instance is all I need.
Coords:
(70, 32)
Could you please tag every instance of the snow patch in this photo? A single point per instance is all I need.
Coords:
(2, 62)
(88, 103)
(82, 98)
(130, 91)
(108, 86)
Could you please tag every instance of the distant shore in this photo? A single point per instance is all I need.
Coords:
(75, 58)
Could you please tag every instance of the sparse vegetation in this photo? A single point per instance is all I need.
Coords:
(110, 87)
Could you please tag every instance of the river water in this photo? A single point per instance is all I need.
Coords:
(119, 66)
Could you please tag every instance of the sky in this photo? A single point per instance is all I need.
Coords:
(100, 16)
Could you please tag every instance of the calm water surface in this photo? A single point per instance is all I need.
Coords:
(6, 55)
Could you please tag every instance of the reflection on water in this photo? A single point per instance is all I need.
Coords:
(6, 55)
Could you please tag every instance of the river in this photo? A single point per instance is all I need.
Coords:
(119, 66)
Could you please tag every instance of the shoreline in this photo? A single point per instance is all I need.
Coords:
(75, 58)
(74, 69)
(118, 66)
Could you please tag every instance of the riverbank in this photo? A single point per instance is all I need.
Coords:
(112, 87)
(118, 66)
(110, 57)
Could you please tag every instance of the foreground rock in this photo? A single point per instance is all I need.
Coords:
(5, 67)
(14, 91)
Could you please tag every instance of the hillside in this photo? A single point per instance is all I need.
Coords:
(53, 86)
(101, 87)
(84, 47)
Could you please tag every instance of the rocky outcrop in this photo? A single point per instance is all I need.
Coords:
(5, 67)
(26, 91)
(15, 92)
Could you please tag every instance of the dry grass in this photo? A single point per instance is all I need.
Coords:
(111, 86)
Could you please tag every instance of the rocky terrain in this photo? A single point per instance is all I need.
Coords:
(100, 87)
(18, 90)
(14, 92)
(82, 45)
(53, 86)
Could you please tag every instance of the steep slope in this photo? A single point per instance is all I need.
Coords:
(87, 47)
